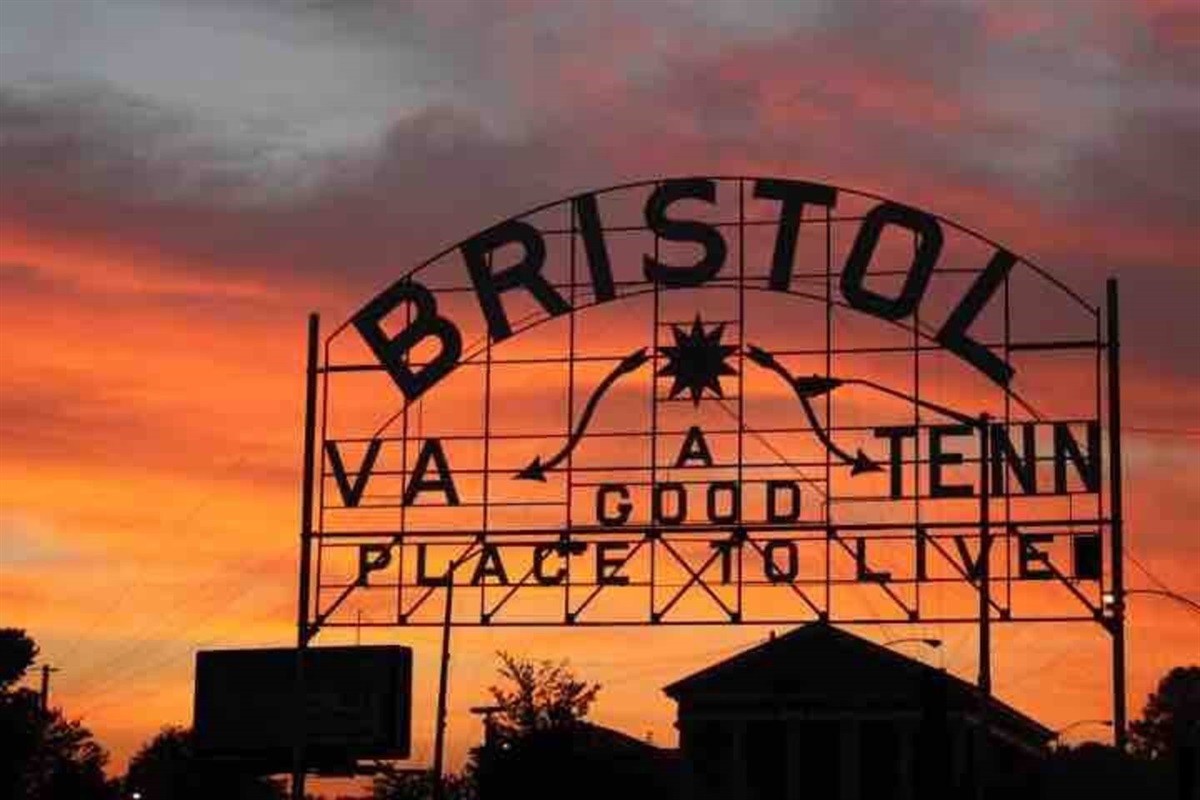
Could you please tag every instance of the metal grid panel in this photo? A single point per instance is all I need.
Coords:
(550, 467)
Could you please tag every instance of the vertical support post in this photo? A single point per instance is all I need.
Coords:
(439, 733)
(828, 506)
(985, 552)
(741, 367)
(1116, 623)
(565, 538)
(655, 323)
(306, 532)
(982, 756)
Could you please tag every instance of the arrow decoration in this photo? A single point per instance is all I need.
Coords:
(536, 470)
(806, 389)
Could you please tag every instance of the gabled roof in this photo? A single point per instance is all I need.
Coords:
(811, 657)
(615, 742)
(822, 664)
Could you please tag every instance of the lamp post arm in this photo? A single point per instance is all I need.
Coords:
(1080, 722)
(1179, 598)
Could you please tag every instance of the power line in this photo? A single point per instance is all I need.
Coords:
(96, 674)
(143, 641)
(1146, 571)
(1128, 554)
(127, 587)
(145, 631)
(1163, 431)
(162, 663)
(130, 672)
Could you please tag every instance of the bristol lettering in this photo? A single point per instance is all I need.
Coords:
(430, 326)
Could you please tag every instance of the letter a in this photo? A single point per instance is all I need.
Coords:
(444, 482)
(694, 448)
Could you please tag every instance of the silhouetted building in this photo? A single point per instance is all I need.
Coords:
(821, 713)
(582, 761)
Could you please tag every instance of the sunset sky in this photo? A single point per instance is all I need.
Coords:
(182, 182)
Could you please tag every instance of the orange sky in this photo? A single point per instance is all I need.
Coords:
(162, 237)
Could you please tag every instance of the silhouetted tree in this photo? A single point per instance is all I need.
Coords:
(1162, 762)
(1171, 718)
(43, 755)
(17, 652)
(395, 784)
(541, 695)
(1169, 731)
(167, 766)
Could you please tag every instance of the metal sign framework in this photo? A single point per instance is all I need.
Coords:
(716, 400)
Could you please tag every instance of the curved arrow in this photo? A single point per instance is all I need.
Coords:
(536, 470)
(806, 389)
(859, 462)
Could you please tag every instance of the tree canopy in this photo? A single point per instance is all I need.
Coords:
(17, 652)
(530, 732)
(400, 784)
(167, 766)
(43, 755)
(540, 695)
(1171, 719)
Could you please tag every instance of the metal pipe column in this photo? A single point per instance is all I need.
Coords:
(1116, 623)
(306, 516)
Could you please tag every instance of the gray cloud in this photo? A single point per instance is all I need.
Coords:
(541, 103)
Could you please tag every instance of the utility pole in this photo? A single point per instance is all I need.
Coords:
(439, 732)
(303, 631)
(985, 554)
(982, 754)
(1116, 623)
(46, 670)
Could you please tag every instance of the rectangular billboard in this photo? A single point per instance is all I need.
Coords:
(357, 705)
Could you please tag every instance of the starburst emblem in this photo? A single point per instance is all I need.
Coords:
(697, 361)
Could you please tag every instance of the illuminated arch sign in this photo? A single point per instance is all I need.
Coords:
(713, 400)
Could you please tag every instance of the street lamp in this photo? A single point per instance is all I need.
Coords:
(1110, 598)
(931, 643)
(489, 724)
(928, 642)
(1108, 723)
